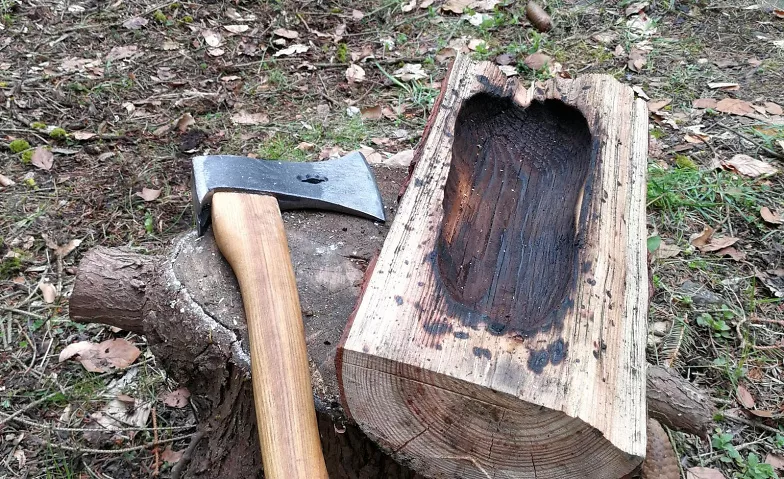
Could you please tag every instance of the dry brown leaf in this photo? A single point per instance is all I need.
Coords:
(216, 52)
(724, 86)
(537, 61)
(245, 118)
(732, 253)
(538, 17)
(445, 54)
(357, 14)
(121, 52)
(372, 112)
(331, 152)
(748, 166)
(6, 181)
(656, 105)
(637, 60)
(126, 399)
(292, 50)
(696, 138)
(771, 217)
(42, 158)
(734, 106)
(407, 7)
(177, 398)
(148, 194)
(745, 398)
(426, 3)
(476, 43)
(775, 460)
(455, 6)
(282, 32)
(48, 291)
(400, 159)
(665, 251)
(355, 73)
(762, 413)
(705, 103)
(236, 28)
(704, 473)
(135, 23)
(212, 38)
(67, 248)
(410, 72)
(20, 457)
(184, 122)
(718, 243)
(773, 108)
(635, 8)
(102, 357)
(169, 45)
(83, 135)
(640, 92)
(372, 156)
(172, 457)
(305, 146)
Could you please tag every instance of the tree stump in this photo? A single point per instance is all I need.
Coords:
(503, 329)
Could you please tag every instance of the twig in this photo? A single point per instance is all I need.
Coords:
(772, 153)
(146, 445)
(157, 466)
(49, 427)
(748, 422)
(186, 456)
(21, 311)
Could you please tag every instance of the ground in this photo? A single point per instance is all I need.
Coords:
(113, 99)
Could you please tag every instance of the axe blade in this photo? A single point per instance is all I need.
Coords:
(345, 184)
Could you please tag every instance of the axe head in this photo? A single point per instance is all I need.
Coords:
(344, 184)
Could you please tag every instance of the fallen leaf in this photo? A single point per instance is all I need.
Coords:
(641, 93)
(407, 7)
(445, 54)
(704, 240)
(778, 12)
(637, 60)
(236, 28)
(481, 5)
(121, 52)
(718, 243)
(48, 291)
(537, 61)
(102, 357)
(177, 398)
(704, 473)
(65, 250)
(372, 113)
(148, 194)
(475, 43)
(282, 32)
(19, 455)
(455, 6)
(775, 460)
(126, 399)
(762, 413)
(696, 138)
(212, 38)
(135, 23)
(635, 8)
(734, 106)
(42, 158)
(770, 216)
(331, 152)
(232, 14)
(665, 251)
(724, 86)
(292, 50)
(355, 74)
(401, 159)
(732, 253)
(357, 14)
(773, 108)
(169, 45)
(748, 166)
(352, 111)
(172, 457)
(509, 70)
(83, 135)
(619, 51)
(705, 103)
(410, 72)
(6, 181)
(245, 118)
(184, 122)
(605, 38)
(216, 52)
(656, 105)
(504, 59)
(305, 146)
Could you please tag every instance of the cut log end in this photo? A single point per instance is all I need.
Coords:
(448, 428)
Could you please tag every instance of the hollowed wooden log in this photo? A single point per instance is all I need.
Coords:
(502, 332)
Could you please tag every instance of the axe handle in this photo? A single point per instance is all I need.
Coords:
(249, 232)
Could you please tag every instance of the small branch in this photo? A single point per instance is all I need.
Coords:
(146, 445)
(186, 456)
(762, 147)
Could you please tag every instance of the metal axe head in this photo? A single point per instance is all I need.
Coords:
(344, 184)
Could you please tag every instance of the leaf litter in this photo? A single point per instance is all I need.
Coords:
(102, 357)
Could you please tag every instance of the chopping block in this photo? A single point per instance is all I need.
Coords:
(502, 331)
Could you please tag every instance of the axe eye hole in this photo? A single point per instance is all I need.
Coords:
(312, 179)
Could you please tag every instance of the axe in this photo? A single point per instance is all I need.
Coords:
(243, 198)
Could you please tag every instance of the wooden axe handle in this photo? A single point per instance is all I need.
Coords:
(249, 232)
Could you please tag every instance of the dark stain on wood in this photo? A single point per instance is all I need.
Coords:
(554, 354)
(482, 353)
(461, 335)
(507, 250)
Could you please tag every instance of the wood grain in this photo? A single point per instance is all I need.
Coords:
(249, 232)
(502, 332)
